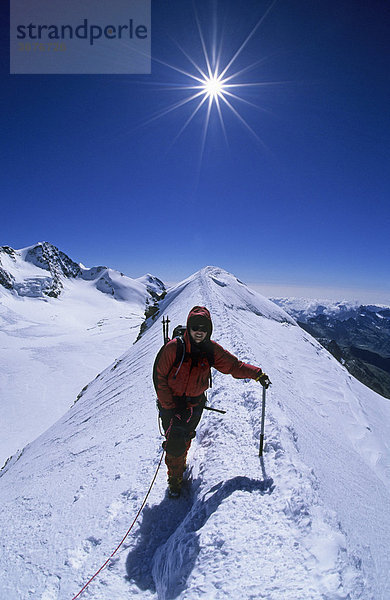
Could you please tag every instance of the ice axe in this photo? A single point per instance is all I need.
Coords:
(223, 412)
(262, 424)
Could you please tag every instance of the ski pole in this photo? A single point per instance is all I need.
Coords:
(223, 412)
(165, 323)
(262, 424)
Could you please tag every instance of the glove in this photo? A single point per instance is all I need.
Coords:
(167, 413)
(264, 380)
(178, 416)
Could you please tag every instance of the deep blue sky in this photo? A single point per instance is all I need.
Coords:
(308, 206)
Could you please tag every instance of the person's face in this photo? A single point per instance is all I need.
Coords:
(198, 333)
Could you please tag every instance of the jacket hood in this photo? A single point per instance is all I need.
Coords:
(200, 315)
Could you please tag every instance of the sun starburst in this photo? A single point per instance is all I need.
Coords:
(214, 86)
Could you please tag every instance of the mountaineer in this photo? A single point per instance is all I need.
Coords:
(182, 377)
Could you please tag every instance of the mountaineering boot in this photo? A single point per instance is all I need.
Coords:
(174, 486)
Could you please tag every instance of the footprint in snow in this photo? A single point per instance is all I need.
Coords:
(77, 556)
(78, 494)
(52, 588)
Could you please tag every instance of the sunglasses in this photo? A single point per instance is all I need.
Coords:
(199, 328)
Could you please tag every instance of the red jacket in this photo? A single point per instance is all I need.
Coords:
(193, 379)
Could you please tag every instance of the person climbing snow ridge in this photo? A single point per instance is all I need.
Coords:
(181, 388)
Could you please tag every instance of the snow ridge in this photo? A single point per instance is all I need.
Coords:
(302, 551)
(296, 525)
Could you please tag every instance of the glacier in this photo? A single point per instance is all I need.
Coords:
(52, 345)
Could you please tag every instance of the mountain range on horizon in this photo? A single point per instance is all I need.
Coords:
(357, 334)
(311, 520)
(21, 272)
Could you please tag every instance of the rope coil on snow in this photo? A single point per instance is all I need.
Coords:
(127, 532)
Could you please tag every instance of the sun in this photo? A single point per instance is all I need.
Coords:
(213, 87)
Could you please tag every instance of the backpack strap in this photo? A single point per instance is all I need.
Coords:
(155, 367)
(211, 361)
(180, 354)
(210, 356)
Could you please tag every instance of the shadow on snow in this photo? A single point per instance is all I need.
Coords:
(168, 545)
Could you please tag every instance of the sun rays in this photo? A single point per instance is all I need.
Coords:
(214, 85)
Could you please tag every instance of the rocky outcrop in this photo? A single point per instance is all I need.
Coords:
(6, 279)
(48, 257)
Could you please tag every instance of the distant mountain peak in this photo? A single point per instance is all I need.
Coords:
(41, 270)
(48, 257)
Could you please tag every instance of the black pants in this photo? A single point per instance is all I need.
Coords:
(182, 430)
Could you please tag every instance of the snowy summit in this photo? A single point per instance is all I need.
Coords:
(309, 522)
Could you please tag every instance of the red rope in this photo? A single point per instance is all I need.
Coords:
(127, 533)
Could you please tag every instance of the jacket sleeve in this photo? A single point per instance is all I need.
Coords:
(164, 366)
(230, 365)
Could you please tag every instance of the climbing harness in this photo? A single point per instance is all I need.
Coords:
(127, 532)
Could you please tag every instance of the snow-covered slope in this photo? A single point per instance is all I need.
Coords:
(52, 344)
(357, 335)
(309, 522)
